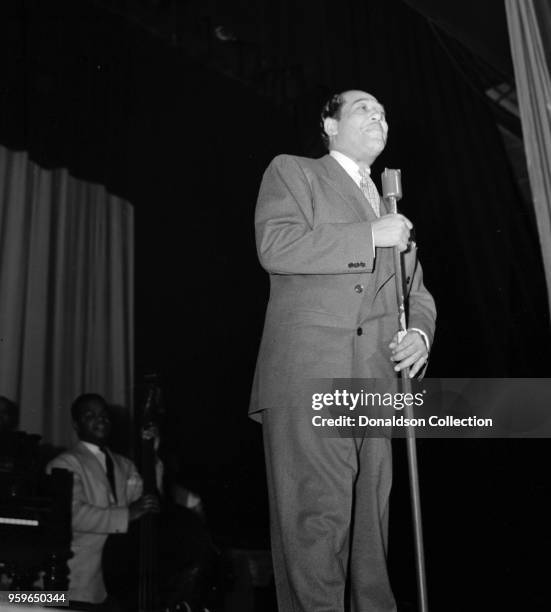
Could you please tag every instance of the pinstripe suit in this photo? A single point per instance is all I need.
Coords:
(332, 313)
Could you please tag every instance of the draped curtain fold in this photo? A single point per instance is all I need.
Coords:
(66, 294)
(529, 26)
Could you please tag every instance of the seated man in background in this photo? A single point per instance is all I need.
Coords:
(107, 496)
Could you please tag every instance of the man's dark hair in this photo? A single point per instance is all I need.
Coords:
(82, 401)
(332, 108)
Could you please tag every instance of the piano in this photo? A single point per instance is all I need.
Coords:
(35, 517)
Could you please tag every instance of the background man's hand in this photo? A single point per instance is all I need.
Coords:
(410, 352)
(187, 499)
(391, 230)
(152, 433)
(144, 505)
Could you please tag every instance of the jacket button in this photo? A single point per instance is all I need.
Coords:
(359, 331)
(358, 288)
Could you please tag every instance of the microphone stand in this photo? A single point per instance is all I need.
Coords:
(392, 192)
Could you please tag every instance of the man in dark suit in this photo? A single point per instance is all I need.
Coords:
(107, 495)
(326, 239)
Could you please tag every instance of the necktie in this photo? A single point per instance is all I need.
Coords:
(369, 190)
(110, 471)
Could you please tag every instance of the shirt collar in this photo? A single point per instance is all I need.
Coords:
(348, 164)
(93, 448)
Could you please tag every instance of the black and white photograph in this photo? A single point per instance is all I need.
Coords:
(275, 288)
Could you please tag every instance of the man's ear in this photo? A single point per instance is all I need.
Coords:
(331, 126)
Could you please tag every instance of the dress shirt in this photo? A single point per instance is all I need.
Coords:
(97, 452)
(349, 165)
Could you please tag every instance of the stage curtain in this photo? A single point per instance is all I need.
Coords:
(66, 294)
(530, 34)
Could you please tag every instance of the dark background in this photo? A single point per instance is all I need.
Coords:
(181, 121)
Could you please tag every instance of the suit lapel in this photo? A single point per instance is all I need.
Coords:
(345, 186)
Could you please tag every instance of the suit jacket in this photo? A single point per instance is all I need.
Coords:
(94, 515)
(313, 235)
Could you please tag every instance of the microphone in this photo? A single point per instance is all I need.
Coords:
(392, 186)
(392, 192)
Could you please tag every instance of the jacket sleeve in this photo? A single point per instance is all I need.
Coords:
(422, 309)
(87, 517)
(290, 242)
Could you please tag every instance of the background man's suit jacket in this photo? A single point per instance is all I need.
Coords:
(313, 234)
(94, 516)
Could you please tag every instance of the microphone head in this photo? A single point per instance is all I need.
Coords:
(392, 184)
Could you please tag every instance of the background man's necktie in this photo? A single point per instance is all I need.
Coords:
(369, 190)
(110, 471)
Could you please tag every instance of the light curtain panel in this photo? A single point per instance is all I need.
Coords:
(66, 294)
(529, 26)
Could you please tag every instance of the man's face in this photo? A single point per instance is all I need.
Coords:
(93, 423)
(361, 131)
